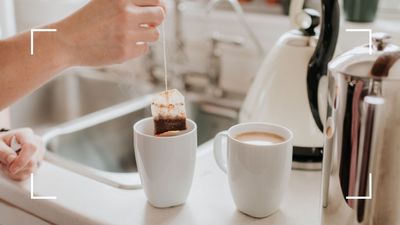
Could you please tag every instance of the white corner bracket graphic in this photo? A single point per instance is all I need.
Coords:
(39, 30)
(369, 190)
(370, 36)
(40, 197)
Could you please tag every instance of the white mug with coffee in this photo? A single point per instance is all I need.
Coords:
(165, 163)
(258, 164)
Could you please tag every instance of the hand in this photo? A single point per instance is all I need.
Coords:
(110, 31)
(19, 167)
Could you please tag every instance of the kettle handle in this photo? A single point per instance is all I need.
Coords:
(318, 65)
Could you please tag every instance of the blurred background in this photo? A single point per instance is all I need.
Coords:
(190, 31)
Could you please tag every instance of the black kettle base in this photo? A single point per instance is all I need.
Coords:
(307, 158)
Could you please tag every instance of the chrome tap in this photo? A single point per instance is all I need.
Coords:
(214, 71)
(178, 48)
(190, 76)
(242, 19)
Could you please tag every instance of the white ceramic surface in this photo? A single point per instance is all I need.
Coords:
(165, 164)
(279, 91)
(81, 200)
(258, 175)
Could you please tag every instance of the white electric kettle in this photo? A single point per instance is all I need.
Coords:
(280, 91)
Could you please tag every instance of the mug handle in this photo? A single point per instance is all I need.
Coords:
(219, 158)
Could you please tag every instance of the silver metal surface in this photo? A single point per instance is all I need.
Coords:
(100, 145)
(361, 171)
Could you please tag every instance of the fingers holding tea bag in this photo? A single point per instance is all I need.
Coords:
(168, 111)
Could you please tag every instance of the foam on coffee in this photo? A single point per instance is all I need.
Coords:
(259, 138)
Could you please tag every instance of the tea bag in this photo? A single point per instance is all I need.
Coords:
(168, 111)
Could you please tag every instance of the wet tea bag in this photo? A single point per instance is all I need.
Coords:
(168, 111)
(168, 107)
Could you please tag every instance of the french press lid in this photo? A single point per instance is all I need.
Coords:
(378, 59)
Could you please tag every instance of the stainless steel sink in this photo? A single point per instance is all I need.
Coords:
(73, 94)
(100, 145)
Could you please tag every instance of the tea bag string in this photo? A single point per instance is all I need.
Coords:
(165, 57)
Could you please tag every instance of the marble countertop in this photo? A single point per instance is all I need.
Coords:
(81, 200)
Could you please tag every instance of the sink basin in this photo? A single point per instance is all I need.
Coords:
(71, 95)
(100, 145)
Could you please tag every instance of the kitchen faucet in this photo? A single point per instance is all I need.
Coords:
(180, 57)
(190, 76)
(240, 14)
(214, 71)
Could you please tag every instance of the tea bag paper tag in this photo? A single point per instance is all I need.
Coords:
(168, 104)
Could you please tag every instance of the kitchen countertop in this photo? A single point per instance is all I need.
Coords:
(81, 200)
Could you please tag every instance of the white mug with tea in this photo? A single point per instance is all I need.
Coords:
(258, 164)
(165, 163)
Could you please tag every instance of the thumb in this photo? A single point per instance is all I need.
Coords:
(5, 153)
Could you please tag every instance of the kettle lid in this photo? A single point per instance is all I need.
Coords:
(378, 59)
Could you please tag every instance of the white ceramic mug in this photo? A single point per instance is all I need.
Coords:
(165, 164)
(258, 175)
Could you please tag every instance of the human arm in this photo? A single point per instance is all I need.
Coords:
(102, 32)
